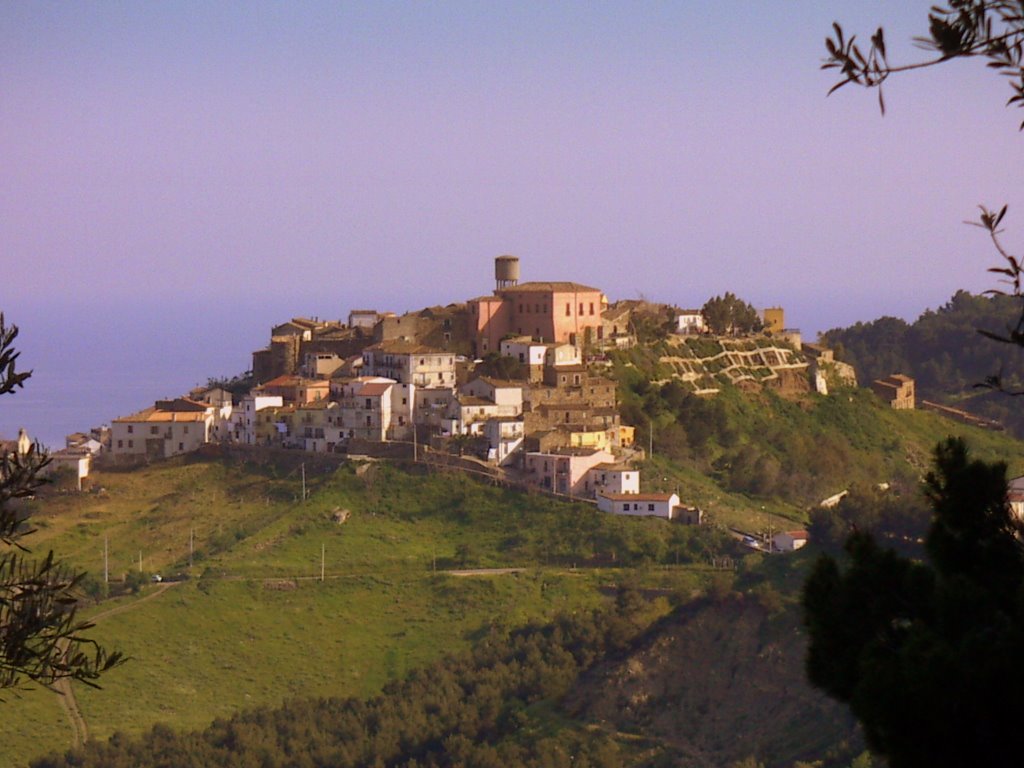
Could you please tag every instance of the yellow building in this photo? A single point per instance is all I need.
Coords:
(590, 439)
(774, 319)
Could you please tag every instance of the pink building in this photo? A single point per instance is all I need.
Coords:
(562, 312)
(565, 470)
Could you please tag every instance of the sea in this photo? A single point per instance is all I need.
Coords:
(94, 362)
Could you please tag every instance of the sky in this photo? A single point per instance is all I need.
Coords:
(178, 176)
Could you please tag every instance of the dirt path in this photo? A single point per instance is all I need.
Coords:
(76, 720)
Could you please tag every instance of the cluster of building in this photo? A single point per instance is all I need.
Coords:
(502, 377)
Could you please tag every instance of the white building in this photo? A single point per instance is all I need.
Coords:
(243, 418)
(410, 363)
(525, 350)
(1015, 496)
(690, 321)
(76, 460)
(317, 426)
(506, 395)
(615, 479)
(639, 504)
(504, 437)
(377, 409)
(537, 355)
(789, 541)
(434, 409)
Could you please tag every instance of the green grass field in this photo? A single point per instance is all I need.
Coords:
(253, 624)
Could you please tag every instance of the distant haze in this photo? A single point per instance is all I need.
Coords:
(179, 176)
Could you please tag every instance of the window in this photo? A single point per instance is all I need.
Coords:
(368, 421)
(520, 309)
(591, 307)
(154, 430)
(369, 404)
(403, 401)
(581, 307)
(130, 429)
(120, 443)
(185, 430)
(625, 507)
(568, 309)
(181, 446)
(650, 507)
(131, 443)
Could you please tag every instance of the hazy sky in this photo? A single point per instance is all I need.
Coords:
(163, 162)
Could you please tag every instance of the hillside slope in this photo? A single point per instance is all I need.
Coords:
(717, 683)
(943, 351)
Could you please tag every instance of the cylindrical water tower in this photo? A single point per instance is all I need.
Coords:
(506, 271)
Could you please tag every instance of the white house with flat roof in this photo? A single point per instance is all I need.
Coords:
(639, 504)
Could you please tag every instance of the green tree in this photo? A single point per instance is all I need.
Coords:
(927, 654)
(729, 314)
(41, 638)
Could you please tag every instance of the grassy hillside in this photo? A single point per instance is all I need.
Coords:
(255, 626)
(737, 452)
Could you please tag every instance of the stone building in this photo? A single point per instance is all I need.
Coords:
(896, 390)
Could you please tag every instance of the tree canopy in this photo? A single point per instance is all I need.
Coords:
(942, 351)
(927, 654)
(729, 314)
(41, 638)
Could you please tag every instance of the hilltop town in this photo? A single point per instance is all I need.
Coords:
(517, 384)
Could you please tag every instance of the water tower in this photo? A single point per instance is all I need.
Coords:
(506, 271)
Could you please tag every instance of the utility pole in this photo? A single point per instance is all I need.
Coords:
(106, 559)
(303, 481)
(140, 561)
(415, 444)
(191, 545)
